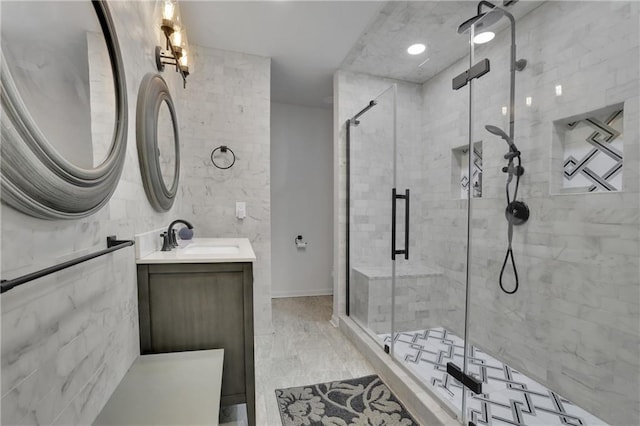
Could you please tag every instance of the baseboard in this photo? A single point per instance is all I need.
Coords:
(302, 293)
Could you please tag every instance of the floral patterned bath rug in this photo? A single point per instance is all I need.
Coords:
(365, 401)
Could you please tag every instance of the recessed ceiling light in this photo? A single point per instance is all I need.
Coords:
(559, 90)
(416, 49)
(484, 37)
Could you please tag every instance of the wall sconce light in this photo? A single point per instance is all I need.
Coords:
(175, 52)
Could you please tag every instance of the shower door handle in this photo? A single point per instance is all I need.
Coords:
(394, 198)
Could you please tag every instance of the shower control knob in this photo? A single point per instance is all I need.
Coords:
(517, 212)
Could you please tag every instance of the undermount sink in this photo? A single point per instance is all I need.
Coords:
(202, 248)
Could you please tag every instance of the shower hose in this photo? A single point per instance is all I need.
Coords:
(510, 218)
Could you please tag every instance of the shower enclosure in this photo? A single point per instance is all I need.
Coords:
(548, 332)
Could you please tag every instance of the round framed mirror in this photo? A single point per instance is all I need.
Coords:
(167, 146)
(64, 108)
(158, 142)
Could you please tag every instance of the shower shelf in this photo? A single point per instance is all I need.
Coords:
(587, 152)
(460, 181)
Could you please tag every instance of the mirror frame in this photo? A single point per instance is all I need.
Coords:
(153, 92)
(35, 178)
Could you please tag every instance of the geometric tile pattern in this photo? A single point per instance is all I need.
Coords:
(476, 170)
(509, 398)
(600, 141)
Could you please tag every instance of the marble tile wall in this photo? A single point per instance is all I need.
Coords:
(574, 324)
(227, 102)
(418, 299)
(69, 338)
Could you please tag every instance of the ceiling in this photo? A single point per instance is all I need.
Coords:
(306, 40)
(382, 48)
(309, 40)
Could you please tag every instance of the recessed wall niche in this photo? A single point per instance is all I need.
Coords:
(460, 181)
(588, 151)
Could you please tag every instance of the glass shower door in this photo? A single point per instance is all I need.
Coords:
(371, 166)
(407, 245)
(553, 324)
(430, 285)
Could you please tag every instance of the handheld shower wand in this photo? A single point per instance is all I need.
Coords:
(516, 212)
(513, 151)
(499, 132)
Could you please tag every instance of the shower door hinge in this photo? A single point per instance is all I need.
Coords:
(386, 348)
(468, 381)
(476, 71)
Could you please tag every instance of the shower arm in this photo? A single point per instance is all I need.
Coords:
(371, 104)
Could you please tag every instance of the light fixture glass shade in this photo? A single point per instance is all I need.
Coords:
(184, 41)
(416, 49)
(169, 9)
(183, 59)
(176, 37)
(484, 37)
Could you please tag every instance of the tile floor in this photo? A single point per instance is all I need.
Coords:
(510, 398)
(304, 349)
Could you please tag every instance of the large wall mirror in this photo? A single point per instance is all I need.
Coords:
(158, 142)
(64, 108)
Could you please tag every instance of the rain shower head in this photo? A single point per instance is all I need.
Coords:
(482, 21)
(499, 132)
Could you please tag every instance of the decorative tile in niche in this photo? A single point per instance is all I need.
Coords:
(588, 152)
(460, 181)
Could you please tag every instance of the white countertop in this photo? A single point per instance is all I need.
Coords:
(181, 388)
(204, 250)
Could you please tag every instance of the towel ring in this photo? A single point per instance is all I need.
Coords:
(223, 160)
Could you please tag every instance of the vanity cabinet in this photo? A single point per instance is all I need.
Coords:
(198, 306)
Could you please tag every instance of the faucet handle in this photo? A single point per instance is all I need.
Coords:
(166, 246)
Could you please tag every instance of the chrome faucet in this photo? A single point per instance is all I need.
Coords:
(172, 241)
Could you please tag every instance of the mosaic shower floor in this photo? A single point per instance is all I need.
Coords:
(511, 398)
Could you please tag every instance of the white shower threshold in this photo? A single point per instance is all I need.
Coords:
(427, 408)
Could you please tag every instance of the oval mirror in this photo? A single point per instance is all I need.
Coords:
(64, 113)
(166, 144)
(158, 142)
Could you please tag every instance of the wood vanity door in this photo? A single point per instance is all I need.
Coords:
(187, 307)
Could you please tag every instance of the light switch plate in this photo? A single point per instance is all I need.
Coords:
(241, 209)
